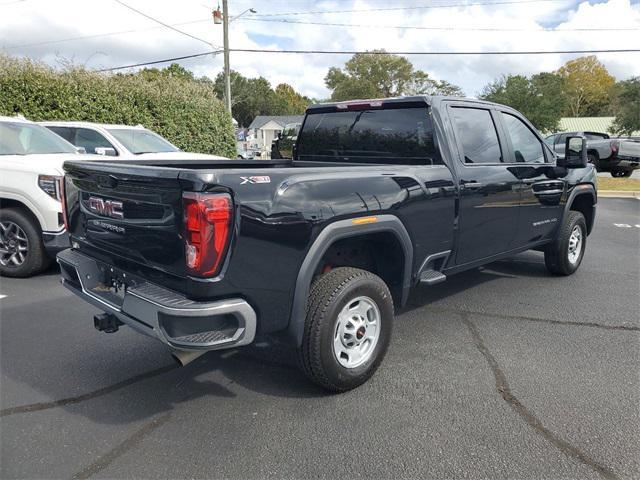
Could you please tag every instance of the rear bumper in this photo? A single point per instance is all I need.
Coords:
(621, 162)
(175, 320)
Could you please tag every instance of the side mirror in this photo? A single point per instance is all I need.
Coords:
(81, 150)
(106, 151)
(575, 153)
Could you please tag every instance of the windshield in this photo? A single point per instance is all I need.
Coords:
(392, 135)
(19, 138)
(138, 140)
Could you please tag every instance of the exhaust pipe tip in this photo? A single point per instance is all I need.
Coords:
(184, 357)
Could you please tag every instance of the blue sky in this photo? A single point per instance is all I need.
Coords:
(41, 29)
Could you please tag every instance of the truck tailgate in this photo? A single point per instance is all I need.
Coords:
(126, 213)
(629, 148)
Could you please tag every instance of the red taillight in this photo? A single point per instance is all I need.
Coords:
(614, 146)
(207, 222)
(63, 201)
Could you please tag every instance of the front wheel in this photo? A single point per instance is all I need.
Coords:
(22, 253)
(347, 328)
(563, 257)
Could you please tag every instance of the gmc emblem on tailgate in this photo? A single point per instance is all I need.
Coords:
(106, 208)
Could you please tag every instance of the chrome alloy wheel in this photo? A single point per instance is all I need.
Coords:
(357, 332)
(575, 245)
(14, 245)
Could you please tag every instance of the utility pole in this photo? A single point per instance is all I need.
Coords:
(227, 70)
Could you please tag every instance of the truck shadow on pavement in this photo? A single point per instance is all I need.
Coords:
(268, 370)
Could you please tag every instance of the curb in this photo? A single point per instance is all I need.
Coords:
(617, 194)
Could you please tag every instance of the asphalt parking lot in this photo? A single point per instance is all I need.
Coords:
(502, 372)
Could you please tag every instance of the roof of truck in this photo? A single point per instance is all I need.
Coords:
(16, 119)
(64, 123)
(427, 99)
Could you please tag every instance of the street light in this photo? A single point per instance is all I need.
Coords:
(251, 10)
(225, 32)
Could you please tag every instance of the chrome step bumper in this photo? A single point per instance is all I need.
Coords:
(155, 311)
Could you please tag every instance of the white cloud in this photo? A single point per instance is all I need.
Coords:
(33, 21)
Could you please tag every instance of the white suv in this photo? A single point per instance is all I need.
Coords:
(31, 224)
(122, 141)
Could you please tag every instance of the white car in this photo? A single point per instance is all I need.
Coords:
(31, 223)
(122, 141)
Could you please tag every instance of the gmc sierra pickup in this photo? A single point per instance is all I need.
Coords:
(319, 250)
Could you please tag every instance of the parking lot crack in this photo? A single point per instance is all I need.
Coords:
(573, 323)
(127, 445)
(502, 386)
(35, 407)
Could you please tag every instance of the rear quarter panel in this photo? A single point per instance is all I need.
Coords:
(279, 220)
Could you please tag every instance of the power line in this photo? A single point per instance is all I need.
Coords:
(162, 23)
(417, 27)
(420, 7)
(380, 52)
(98, 35)
(354, 52)
(400, 27)
(164, 60)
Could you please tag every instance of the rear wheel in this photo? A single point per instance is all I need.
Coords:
(347, 329)
(22, 253)
(563, 257)
(621, 173)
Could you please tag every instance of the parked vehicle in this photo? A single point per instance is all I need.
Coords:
(122, 141)
(318, 251)
(247, 153)
(282, 146)
(31, 226)
(619, 156)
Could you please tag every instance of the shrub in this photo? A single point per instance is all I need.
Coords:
(181, 108)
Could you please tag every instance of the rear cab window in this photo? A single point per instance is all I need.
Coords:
(392, 135)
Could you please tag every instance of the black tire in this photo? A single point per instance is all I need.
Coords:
(36, 258)
(593, 160)
(330, 293)
(621, 173)
(557, 256)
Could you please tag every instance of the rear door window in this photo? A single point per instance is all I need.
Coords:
(477, 135)
(65, 132)
(90, 140)
(383, 136)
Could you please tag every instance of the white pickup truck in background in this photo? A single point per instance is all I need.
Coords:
(620, 156)
(31, 225)
(122, 141)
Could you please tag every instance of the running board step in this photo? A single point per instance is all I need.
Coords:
(432, 277)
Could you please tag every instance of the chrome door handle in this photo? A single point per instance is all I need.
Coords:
(471, 184)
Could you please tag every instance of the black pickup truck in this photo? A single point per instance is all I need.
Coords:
(318, 251)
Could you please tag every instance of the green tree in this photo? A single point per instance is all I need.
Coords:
(587, 85)
(174, 71)
(422, 84)
(380, 74)
(540, 97)
(254, 96)
(288, 101)
(627, 107)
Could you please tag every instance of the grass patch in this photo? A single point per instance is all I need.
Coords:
(620, 184)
